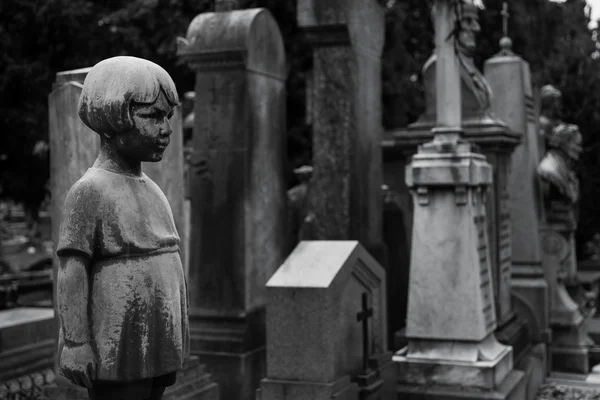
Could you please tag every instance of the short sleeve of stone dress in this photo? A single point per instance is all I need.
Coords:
(77, 232)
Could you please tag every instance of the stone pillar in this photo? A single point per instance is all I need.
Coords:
(452, 350)
(345, 110)
(238, 198)
(513, 102)
(73, 149)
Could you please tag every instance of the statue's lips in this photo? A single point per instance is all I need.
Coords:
(163, 145)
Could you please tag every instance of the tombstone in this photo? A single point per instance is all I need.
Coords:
(483, 128)
(344, 107)
(326, 325)
(452, 351)
(73, 149)
(238, 198)
(513, 102)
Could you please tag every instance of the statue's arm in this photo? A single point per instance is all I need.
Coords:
(73, 296)
(77, 359)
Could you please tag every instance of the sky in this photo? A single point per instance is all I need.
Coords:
(595, 10)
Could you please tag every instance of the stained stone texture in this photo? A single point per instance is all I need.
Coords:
(496, 142)
(238, 198)
(73, 149)
(73, 146)
(513, 101)
(449, 241)
(168, 175)
(345, 111)
(314, 341)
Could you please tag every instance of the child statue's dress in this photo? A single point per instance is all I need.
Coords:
(138, 297)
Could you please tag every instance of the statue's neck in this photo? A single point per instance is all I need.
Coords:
(110, 159)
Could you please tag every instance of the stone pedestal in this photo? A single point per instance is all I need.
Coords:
(569, 350)
(496, 142)
(238, 199)
(344, 97)
(27, 349)
(451, 314)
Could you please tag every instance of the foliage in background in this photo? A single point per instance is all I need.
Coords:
(553, 37)
(40, 38)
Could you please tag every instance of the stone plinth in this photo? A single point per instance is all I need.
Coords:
(451, 314)
(27, 342)
(344, 97)
(314, 340)
(238, 198)
(569, 350)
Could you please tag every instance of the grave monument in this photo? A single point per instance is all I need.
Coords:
(452, 350)
(326, 326)
(238, 199)
(560, 188)
(483, 128)
(344, 108)
(513, 102)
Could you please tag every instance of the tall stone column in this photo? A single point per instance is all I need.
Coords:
(451, 319)
(513, 102)
(238, 198)
(345, 111)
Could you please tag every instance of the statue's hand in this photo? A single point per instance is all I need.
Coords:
(78, 364)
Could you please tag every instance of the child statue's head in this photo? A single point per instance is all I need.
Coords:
(129, 102)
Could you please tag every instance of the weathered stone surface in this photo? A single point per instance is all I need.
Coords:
(449, 240)
(131, 228)
(345, 112)
(514, 102)
(313, 301)
(480, 126)
(315, 342)
(238, 198)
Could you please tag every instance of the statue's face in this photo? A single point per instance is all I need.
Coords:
(470, 27)
(149, 138)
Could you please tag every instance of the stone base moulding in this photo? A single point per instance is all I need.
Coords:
(424, 379)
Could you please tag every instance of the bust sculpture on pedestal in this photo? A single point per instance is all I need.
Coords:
(560, 187)
(121, 290)
(476, 92)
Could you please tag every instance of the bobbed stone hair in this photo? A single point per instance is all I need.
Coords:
(113, 85)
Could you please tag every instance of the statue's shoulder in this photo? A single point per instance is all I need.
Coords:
(90, 186)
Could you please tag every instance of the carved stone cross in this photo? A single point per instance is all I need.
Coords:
(505, 17)
(363, 316)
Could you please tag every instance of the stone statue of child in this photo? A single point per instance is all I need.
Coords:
(122, 295)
